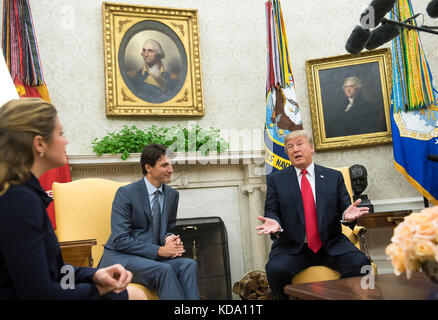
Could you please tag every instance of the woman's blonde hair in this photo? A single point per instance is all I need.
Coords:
(20, 121)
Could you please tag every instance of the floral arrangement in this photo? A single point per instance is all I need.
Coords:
(414, 245)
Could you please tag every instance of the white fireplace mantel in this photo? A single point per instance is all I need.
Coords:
(181, 158)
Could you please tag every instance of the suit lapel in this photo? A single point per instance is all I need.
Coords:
(320, 190)
(143, 195)
(167, 197)
(295, 192)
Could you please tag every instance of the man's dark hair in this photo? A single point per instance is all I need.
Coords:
(151, 153)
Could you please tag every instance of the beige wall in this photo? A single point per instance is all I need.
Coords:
(233, 52)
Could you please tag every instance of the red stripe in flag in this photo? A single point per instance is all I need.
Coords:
(61, 174)
(20, 58)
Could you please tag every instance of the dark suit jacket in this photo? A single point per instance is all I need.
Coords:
(131, 223)
(363, 117)
(30, 258)
(284, 204)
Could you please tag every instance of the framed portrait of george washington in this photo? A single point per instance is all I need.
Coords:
(350, 99)
(152, 61)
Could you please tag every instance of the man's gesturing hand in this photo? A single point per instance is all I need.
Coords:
(353, 211)
(269, 226)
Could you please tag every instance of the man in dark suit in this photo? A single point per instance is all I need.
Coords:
(355, 114)
(305, 205)
(142, 217)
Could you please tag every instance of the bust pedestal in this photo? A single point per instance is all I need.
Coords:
(365, 202)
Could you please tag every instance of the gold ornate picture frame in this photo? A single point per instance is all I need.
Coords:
(152, 61)
(350, 98)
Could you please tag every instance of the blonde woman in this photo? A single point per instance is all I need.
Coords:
(31, 264)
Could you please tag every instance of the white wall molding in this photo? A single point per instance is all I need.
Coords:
(181, 158)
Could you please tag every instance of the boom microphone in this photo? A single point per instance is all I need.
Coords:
(375, 12)
(357, 40)
(432, 9)
(432, 157)
(381, 35)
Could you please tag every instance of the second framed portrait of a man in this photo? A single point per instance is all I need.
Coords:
(350, 99)
(152, 61)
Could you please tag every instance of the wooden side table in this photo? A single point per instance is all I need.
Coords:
(383, 219)
(78, 253)
(386, 287)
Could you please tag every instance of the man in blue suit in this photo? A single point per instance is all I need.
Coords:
(305, 205)
(142, 217)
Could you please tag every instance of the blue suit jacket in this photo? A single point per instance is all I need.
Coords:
(131, 223)
(284, 204)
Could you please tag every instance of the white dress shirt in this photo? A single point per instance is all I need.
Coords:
(310, 175)
(151, 193)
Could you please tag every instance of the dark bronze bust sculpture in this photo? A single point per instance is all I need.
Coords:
(359, 182)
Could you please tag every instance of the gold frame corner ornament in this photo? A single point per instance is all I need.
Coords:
(123, 98)
(338, 66)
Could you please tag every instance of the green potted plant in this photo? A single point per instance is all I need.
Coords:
(132, 140)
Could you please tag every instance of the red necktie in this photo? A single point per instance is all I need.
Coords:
(313, 239)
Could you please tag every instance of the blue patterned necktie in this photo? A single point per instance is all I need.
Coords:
(156, 218)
